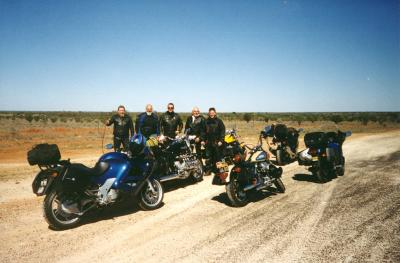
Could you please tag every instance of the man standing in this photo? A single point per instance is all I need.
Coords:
(147, 122)
(170, 122)
(197, 126)
(215, 133)
(123, 125)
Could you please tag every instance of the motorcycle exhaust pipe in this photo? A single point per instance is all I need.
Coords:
(169, 177)
(249, 187)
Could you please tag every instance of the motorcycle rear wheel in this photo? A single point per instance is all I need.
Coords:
(341, 170)
(322, 174)
(53, 213)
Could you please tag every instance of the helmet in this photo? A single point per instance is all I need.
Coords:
(137, 144)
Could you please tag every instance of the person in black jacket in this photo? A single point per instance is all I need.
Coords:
(123, 128)
(147, 122)
(215, 134)
(196, 124)
(170, 122)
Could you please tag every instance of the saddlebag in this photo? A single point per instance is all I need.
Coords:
(44, 154)
(281, 132)
(314, 139)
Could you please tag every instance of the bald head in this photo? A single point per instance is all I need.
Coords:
(195, 111)
(149, 108)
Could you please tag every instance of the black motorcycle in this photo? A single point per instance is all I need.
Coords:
(324, 154)
(285, 141)
(72, 189)
(252, 174)
(176, 160)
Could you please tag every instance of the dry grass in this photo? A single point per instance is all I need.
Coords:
(77, 139)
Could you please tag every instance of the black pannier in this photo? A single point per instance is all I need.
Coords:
(314, 139)
(337, 137)
(44, 154)
(281, 131)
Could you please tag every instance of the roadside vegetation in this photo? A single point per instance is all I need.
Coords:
(336, 117)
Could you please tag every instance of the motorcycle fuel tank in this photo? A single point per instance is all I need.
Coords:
(120, 166)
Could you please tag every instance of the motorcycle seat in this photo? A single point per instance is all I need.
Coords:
(99, 169)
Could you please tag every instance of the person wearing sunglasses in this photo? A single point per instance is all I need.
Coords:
(170, 122)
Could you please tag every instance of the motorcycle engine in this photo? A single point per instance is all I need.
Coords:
(263, 168)
(268, 170)
(185, 165)
(111, 196)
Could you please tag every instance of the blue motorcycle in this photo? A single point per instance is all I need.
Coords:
(72, 189)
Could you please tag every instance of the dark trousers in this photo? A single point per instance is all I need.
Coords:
(214, 154)
(118, 141)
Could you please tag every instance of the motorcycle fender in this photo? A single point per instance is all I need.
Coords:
(241, 177)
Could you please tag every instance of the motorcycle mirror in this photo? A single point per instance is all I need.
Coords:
(348, 133)
(267, 129)
(108, 146)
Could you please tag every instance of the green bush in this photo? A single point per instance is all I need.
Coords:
(247, 117)
(29, 117)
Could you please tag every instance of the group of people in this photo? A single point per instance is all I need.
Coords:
(209, 132)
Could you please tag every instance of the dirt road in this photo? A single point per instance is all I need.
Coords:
(355, 218)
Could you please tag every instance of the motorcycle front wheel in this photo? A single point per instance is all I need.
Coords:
(151, 196)
(55, 213)
(197, 175)
(236, 195)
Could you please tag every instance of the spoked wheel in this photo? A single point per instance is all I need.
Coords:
(152, 195)
(236, 194)
(197, 175)
(57, 210)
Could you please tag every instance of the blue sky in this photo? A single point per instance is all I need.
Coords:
(277, 56)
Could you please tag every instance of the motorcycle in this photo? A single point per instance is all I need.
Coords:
(252, 175)
(324, 154)
(176, 159)
(72, 189)
(285, 141)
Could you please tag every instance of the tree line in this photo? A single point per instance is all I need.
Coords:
(299, 117)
